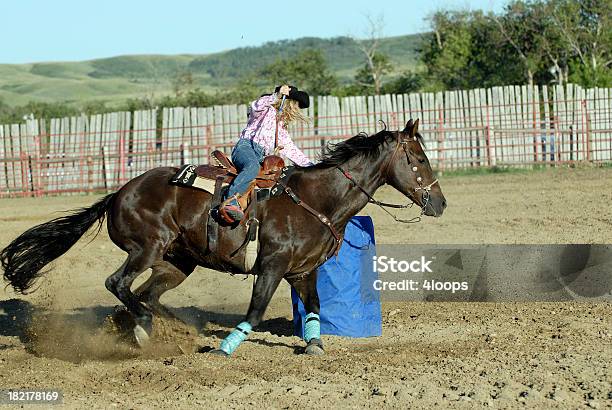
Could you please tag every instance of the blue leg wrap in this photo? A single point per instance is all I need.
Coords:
(238, 335)
(312, 327)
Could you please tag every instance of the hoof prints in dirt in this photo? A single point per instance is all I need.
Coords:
(81, 336)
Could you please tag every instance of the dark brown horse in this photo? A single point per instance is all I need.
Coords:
(163, 227)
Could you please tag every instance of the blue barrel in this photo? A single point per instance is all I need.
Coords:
(349, 304)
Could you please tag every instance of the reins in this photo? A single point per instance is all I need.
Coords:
(383, 205)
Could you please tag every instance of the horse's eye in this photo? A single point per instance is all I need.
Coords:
(422, 160)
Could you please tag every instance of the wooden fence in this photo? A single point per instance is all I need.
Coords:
(499, 126)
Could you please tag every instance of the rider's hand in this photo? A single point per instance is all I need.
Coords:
(284, 90)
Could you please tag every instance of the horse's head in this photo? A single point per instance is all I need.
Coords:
(408, 170)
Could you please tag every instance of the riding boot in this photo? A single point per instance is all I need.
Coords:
(231, 211)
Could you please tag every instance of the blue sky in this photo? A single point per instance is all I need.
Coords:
(72, 30)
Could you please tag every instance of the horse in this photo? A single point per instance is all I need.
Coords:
(163, 227)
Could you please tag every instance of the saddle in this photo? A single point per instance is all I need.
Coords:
(272, 177)
(270, 182)
(224, 168)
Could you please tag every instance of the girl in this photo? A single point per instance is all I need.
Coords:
(257, 140)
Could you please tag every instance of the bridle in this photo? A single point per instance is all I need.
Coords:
(338, 237)
(384, 172)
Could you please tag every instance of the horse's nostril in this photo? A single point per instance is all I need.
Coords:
(444, 203)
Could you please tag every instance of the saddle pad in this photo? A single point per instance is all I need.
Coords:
(188, 178)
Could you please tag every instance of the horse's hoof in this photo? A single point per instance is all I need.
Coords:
(314, 348)
(141, 335)
(123, 320)
(219, 352)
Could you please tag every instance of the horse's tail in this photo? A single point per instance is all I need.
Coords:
(23, 259)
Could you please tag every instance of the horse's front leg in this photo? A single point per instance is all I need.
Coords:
(306, 287)
(265, 286)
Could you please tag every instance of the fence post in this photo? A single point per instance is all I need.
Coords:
(534, 124)
(38, 189)
(90, 173)
(587, 130)
(122, 164)
(441, 147)
(558, 142)
(25, 183)
(185, 154)
(108, 176)
(488, 136)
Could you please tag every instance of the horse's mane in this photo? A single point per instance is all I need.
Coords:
(361, 144)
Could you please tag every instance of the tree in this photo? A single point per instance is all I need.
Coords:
(371, 76)
(519, 28)
(585, 26)
(245, 90)
(307, 70)
(447, 51)
(182, 83)
(466, 50)
(556, 56)
(531, 41)
(37, 110)
(493, 60)
(406, 83)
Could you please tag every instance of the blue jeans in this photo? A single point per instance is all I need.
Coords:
(247, 156)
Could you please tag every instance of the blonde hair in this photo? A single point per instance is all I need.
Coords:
(291, 112)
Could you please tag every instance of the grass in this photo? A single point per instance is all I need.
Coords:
(492, 170)
(519, 170)
(117, 78)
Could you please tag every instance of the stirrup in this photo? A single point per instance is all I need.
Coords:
(231, 213)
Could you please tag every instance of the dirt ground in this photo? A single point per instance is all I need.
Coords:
(462, 355)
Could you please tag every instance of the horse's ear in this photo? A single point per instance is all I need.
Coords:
(408, 127)
(415, 128)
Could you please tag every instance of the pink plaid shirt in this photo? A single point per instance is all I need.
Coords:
(261, 129)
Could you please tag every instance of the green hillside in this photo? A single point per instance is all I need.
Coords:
(119, 78)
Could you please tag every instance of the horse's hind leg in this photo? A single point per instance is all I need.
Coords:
(119, 284)
(166, 276)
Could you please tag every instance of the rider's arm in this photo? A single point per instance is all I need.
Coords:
(290, 150)
(266, 101)
(263, 102)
